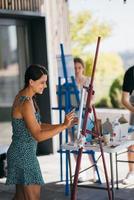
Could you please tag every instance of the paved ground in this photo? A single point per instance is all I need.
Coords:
(54, 189)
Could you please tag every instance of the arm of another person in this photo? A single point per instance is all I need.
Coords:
(127, 88)
(35, 128)
(126, 101)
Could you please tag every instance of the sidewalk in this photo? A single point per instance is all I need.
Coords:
(54, 189)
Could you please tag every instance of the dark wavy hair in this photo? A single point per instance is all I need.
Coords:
(79, 60)
(34, 72)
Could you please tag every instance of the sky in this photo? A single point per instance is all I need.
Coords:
(119, 15)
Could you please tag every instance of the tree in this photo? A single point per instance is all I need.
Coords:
(84, 31)
(115, 92)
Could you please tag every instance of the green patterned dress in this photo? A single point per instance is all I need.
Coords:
(23, 166)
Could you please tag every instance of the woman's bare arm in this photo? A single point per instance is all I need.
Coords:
(46, 126)
(35, 128)
(126, 101)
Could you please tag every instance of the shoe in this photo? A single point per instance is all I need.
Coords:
(81, 179)
(129, 178)
(97, 181)
(94, 180)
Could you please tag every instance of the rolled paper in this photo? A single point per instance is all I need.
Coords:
(81, 111)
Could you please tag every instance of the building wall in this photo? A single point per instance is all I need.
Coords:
(57, 22)
(57, 25)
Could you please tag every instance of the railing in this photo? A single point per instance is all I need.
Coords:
(21, 5)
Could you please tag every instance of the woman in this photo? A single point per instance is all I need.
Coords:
(82, 80)
(79, 68)
(23, 166)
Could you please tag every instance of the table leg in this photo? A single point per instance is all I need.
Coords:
(70, 170)
(112, 175)
(67, 181)
(116, 163)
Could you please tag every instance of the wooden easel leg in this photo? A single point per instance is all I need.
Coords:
(74, 187)
(102, 153)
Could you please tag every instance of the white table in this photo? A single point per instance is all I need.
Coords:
(116, 148)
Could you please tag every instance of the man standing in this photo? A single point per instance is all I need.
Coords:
(128, 102)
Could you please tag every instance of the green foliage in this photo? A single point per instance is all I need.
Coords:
(84, 33)
(85, 30)
(108, 68)
(115, 92)
(104, 103)
(88, 63)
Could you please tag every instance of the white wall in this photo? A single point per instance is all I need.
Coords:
(57, 25)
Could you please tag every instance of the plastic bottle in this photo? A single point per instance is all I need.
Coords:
(122, 120)
(107, 131)
(116, 136)
(107, 127)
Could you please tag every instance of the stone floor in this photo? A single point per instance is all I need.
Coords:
(55, 190)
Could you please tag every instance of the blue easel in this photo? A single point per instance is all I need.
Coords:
(64, 91)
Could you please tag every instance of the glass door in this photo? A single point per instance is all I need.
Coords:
(14, 56)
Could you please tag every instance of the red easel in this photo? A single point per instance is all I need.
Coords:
(88, 110)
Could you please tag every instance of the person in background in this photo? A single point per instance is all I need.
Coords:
(82, 80)
(79, 68)
(128, 102)
(23, 167)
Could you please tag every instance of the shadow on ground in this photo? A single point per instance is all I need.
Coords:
(56, 191)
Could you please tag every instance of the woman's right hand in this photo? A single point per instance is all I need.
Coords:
(69, 118)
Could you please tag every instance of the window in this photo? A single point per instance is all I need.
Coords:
(9, 66)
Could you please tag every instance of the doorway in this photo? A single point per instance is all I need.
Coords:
(22, 42)
(14, 56)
